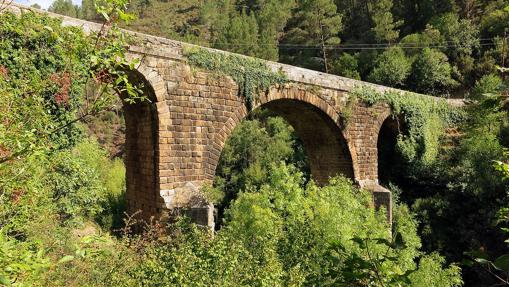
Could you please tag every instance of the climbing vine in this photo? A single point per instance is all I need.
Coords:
(425, 120)
(251, 75)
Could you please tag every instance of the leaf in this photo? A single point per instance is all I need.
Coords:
(467, 262)
(65, 259)
(477, 254)
(48, 28)
(105, 15)
(4, 281)
(502, 262)
(382, 241)
(482, 261)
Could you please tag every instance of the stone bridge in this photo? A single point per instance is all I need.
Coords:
(174, 142)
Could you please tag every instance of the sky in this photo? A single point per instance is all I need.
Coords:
(44, 3)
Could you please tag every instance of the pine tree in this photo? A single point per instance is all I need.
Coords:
(315, 23)
(240, 35)
(384, 28)
(272, 18)
(232, 22)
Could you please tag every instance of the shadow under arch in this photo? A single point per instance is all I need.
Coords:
(389, 160)
(141, 149)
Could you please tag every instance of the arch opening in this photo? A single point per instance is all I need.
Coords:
(141, 150)
(388, 157)
(323, 141)
(266, 134)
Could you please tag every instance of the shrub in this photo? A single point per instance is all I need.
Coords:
(346, 65)
(392, 68)
(283, 234)
(432, 73)
(76, 186)
(488, 84)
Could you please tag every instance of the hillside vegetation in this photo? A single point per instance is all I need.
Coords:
(62, 179)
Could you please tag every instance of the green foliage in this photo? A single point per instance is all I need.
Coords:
(249, 27)
(48, 66)
(284, 234)
(86, 183)
(76, 187)
(384, 27)
(254, 146)
(315, 23)
(429, 37)
(464, 190)
(488, 84)
(425, 120)
(33, 56)
(495, 22)
(433, 264)
(20, 263)
(251, 75)
(241, 31)
(49, 183)
(272, 18)
(346, 65)
(65, 7)
(391, 68)
(459, 34)
(432, 73)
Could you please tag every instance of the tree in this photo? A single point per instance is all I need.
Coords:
(239, 34)
(413, 43)
(417, 13)
(272, 19)
(392, 68)
(346, 65)
(65, 7)
(432, 73)
(462, 36)
(254, 146)
(384, 29)
(488, 84)
(495, 21)
(88, 11)
(315, 23)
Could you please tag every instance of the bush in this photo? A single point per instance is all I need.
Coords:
(488, 84)
(346, 65)
(392, 68)
(76, 186)
(432, 73)
(283, 234)
(20, 263)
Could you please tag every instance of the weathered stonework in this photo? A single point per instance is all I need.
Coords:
(173, 143)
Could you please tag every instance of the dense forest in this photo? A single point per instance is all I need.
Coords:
(62, 179)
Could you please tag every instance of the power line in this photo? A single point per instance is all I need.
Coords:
(360, 46)
(339, 47)
(407, 46)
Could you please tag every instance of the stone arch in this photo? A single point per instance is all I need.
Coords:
(143, 124)
(316, 123)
